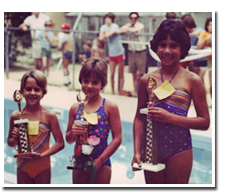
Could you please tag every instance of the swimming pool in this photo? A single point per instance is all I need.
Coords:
(121, 159)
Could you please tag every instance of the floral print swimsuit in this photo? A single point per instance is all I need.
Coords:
(100, 130)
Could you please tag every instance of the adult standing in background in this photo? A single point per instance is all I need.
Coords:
(136, 51)
(110, 31)
(36, 21)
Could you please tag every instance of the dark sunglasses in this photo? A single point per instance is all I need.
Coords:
(133, 18)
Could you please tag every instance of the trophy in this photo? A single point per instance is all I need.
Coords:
(22, 124)
(82, 121)
(150, 151)
(82, 138)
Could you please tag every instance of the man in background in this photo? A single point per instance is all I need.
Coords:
(136, 51)
(36, 21)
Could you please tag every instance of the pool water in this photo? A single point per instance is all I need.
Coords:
(121, 159)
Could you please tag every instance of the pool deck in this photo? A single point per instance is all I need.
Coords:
(63, 97)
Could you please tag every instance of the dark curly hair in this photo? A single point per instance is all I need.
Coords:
(177, 32)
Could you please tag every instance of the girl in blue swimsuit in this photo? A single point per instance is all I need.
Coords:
(93, 78)
(171, 42)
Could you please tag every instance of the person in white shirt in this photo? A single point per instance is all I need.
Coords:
(36, 21)
(136, 51)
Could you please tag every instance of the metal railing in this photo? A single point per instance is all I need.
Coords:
(75, 34)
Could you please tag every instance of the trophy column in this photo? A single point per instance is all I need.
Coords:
(82, 138)
(22, 124)
(150, 161)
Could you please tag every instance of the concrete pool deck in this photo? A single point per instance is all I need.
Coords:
(63, 97)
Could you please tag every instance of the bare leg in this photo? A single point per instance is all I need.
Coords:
(177, 171)
(136, 78)
(48, 65)
(37, 63)
(112, 70)
(44, 63)
(23, 178)
(79, 177)
(121, 75)
(179, 168)
(44, 177)
(103, 176)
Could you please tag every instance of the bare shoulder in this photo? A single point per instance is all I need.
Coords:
(155, 74)
(110, 105)
(74, 108)
(191, 77)
(49, 114)
(111, 110)
(15, 115)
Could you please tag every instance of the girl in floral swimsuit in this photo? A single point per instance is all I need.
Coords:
(93, 78)
(171, 42)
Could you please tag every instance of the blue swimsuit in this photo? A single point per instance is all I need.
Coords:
(100, 130)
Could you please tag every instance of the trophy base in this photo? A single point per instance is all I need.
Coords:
(73, 167)
(20, 121)
(28, 154)
(143, 111)
(150, 167)
(78, 122)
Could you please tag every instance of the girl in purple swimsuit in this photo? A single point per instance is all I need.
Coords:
(171, 42)
(93, 78)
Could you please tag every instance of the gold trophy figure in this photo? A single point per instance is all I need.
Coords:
(22, 124)
(150, 160)
(82, 121)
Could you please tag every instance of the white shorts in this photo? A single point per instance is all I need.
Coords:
(36, 49)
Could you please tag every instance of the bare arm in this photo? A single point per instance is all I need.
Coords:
(201, 42)
(201, 121)
(12, 139)
(109, 33)
(23, 26)
(102, 36)
(138, 121)
(116, 129)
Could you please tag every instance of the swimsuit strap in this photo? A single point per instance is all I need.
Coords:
(172, 76)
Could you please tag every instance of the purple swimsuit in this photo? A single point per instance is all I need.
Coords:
(173, 139)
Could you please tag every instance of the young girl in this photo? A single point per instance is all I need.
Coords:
(171, 42)
(36, 168)
(93, 77)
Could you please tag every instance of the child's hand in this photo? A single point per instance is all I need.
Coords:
(15, 133)
(31, 156)
(159, 114)
(79, 129)
(97, 163)
(136, 159)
